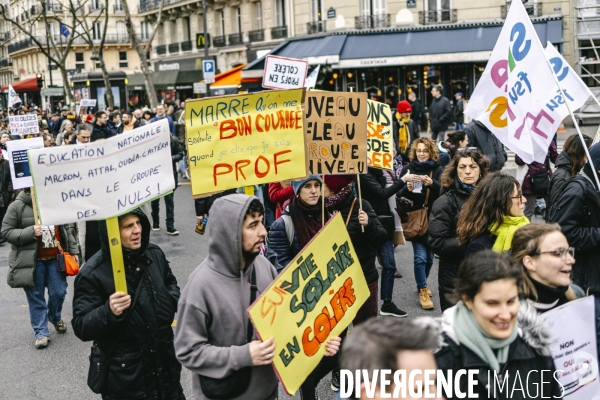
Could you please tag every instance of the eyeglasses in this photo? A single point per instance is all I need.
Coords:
(562, 253)
(518, 196)
(423, 151)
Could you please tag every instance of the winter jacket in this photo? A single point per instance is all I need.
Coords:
(417, 112)
(112, 128)
(99, 132)
(169, 120)
(374, 190)
(6, 186)
(176, 156)
(373, 236)
(577, 211)
(559, 179)
(528, 355)
(17, 228)
(279, 195)
(144, 365)
(457, 112)
(418, 199)
(480, 137)
(413, 133)
(210, 337)
(440, 114)
(485, 241)
(280, 250)
(536, 168)
(442, 239)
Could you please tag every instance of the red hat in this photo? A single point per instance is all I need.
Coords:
(335, 183)
(404, 107)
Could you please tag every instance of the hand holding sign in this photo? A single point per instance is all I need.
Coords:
(262, 352)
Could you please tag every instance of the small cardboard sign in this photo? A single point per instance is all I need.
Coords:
(26, 124)
(284, 73)
(16, 153)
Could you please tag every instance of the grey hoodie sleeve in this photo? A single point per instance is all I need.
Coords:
(196, 354)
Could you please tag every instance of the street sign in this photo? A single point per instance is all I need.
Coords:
(200, 88)
(331, 12)
(208, 68)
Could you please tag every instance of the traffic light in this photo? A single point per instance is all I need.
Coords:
(40, 80)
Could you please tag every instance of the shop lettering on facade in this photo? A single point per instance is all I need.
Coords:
(169, 67)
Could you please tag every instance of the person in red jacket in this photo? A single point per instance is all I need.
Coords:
(279, 193)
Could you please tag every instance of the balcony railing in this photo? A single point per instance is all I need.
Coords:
(109, 39)
(174, 48)
(437, 16)
(257, 35)
(186, 46)
(372, 21)
(219, 41)
(6, 62)
(95, 7)
(53, 8)
(20, 45)
(315, 27)
(162, 49)
(533, 10)
(5, 35)
(279, 32)
(118, 8)
(236, 38)
(146, 5)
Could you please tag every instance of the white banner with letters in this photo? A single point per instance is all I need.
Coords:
(284, 73)
(575, 350)
(103, 179)
(26, 124)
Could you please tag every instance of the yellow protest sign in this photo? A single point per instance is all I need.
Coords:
(245, 140)
(380, 140)
(336, 132)
(313, 299)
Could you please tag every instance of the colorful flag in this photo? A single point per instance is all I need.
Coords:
(13, 97)
(311, 79)
(512, 96)
(64, 30)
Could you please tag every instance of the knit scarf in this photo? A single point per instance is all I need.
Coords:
(425, 164)
(332, 202)
(403, 134)
(467, 188)
(472, 336)
(506, 231)
(306, 219)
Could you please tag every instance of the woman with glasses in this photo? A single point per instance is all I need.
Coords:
(546, 258)
(459, 180)
(492, 214)
(424, 192)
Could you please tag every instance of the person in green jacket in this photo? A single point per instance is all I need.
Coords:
(32, 265)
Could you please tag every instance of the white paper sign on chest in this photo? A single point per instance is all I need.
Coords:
(284, 73)
(104, 179)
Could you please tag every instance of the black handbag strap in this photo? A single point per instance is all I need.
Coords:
(253, 290)
(126, 319)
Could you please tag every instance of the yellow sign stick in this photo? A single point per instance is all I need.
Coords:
(116, 254)
(249, 190)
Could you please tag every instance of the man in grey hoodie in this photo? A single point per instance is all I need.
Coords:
(210, 337)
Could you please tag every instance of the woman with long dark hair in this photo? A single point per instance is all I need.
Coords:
(459, 180)
(568, 164)
(492, 214)
(454, 141)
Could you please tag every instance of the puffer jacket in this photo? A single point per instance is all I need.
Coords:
(577, 211)
(559, 179)
(536, 168)
(487, 143)
(17, 228)
(280, 251)
(528, 355)
(442, 239)
(144, 365)
(418, 199)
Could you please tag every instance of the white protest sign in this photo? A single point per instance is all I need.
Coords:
(26, 124)
(284, 73)
(86, 106)
(574, 350)
(16, 151)
(103, 179)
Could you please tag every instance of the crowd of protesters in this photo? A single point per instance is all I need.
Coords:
(497, 271)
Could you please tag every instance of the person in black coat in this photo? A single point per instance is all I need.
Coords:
(143, 364)
(376, 192)
(481, 137)
(176, 155)
(458, 182)
(340, 197)
(440, 112)
(577, 211)
(100, 130)
(424, 158)
(417, 109)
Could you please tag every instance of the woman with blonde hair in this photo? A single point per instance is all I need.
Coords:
(546, 258)
(424, 164)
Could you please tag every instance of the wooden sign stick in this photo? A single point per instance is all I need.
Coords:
(116, 254)
(322, 201)
(34, 204)
(359, 198)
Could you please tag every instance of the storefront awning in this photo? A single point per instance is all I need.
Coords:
(165, 80)
(24, 86)
(463, 42)
(227, 82)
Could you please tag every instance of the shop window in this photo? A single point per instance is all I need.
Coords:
(80, 61)
(145, 30)
(316, 7)
(123, 60)
(97, 31)
(459, 81)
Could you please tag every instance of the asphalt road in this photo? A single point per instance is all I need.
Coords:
(59, 372)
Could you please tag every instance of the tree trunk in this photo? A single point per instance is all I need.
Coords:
(109, 95)
(67, 87)
(148, 77)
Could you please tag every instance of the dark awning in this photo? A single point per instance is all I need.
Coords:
(165, 80)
